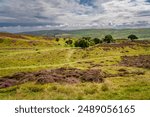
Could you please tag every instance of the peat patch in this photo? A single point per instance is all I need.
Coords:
(61, 75)
(142, 43)
(142, 61)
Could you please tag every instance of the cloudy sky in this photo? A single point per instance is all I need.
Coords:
(28, 15)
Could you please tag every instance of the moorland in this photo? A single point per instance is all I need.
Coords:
(75, 67)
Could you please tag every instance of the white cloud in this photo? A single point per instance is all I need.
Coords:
(70, 14)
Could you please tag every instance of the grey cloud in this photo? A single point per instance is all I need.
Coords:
(144, 13)
(72, 14)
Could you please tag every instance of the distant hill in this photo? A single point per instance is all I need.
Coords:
(143, 33)
(9, 40)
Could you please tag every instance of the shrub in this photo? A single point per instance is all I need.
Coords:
(91, 43)
(69, 42)
(86, 38)
(57, 39)
(108, 39)
(82, 43)
(132, 37)
(97, 40)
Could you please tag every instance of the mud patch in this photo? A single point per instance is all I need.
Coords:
(142, 61)
(61, 75)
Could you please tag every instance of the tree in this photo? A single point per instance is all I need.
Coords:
(108, 39)
(87, 38)
(97, 40)
(132, 37)
(69, 42)
(82, 43)
(57, 39)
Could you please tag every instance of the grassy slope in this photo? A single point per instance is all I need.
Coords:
(116, 33)
(22, 55)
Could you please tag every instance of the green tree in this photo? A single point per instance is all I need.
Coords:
(97, 40)
(132, 37)
(69, 42)
(87, 38)
(82, 43)
(108, 39)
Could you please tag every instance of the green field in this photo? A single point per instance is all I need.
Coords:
(35, 53)
(143, 33)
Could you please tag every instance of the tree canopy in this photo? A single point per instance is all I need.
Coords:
(82, 43)
(97, 40)
(108, 39)
(132, 37)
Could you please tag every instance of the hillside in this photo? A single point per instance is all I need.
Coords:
(37, 67)
(8, 40)
(116, 33)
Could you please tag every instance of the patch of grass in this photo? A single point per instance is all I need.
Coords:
(104, 87)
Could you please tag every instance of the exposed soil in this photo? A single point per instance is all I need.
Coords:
(142, 61)
(61, 75)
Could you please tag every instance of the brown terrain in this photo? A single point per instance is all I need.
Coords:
(142, 61)
(61, 75)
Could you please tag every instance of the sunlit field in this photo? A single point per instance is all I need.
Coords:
(37, 67)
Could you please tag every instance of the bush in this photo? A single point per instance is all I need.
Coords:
(108, 39)
(86, 38)
(69, 42)
(132, 37)
(82, 43)
(97, 40)
(57, 39)
(91, 43)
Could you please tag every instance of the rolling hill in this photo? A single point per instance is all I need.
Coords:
(143, 33)
(37, 67)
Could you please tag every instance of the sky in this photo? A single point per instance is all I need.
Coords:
(32, 15)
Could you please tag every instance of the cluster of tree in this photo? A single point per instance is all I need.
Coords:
(69, 42)
(82, 43)
(85, 42)
(88, 41)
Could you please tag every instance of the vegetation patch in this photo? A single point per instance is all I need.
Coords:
(61, 75)
(98, 67)
(16, 36)
(142, 61)
(124, 72)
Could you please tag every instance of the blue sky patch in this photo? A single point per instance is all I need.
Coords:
(86, 2)
(148, 1)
